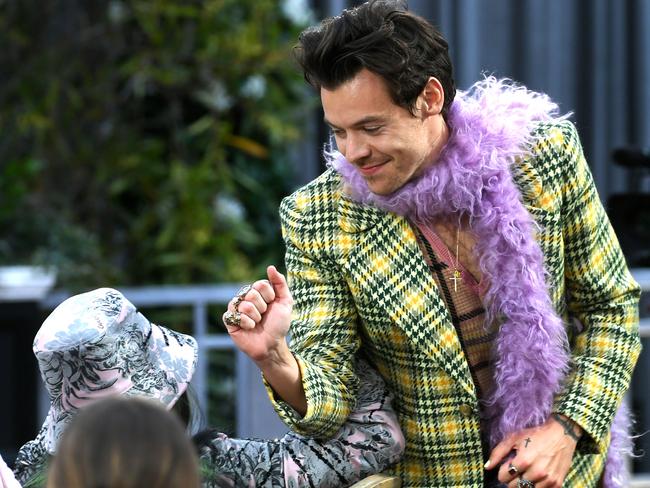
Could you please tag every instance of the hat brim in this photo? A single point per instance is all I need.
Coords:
(173, 357)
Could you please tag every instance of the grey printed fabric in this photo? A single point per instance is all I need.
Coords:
(32, 459)
(369, 442)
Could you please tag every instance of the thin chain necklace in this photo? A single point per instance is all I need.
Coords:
(456, 275)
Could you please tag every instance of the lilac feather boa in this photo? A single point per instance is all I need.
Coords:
(490, 127)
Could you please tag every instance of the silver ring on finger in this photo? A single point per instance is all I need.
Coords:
(240, 295)
(512, 469)
(237, 302)
(243, 291)
(524, 483)
(232, 318)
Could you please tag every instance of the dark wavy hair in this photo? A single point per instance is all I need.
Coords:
(383, 37)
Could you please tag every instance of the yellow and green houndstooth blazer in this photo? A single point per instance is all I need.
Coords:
(360, 282)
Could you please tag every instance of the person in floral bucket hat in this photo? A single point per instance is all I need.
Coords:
(97, 344)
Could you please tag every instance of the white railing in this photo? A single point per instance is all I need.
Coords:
(642, 276)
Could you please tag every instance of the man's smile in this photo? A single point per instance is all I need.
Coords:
(371, 169)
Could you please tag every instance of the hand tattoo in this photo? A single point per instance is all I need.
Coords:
(528, 441)
(568, 426)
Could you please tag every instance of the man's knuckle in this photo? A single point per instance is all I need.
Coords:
(523, 463)
(245, 308)
(537, 474)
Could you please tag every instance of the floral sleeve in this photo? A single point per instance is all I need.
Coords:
(31, 460)
(369, 442)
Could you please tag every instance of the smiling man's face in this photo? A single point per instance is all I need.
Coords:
(388, 145)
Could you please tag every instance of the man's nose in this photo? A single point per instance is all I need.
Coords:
(356, 148)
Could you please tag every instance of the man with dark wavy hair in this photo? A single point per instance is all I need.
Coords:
(457, 241)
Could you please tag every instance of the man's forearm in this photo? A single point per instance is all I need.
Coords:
(283, 373)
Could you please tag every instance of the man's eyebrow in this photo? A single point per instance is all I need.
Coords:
(371, 119)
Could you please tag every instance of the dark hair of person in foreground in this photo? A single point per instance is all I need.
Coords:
(124, 443)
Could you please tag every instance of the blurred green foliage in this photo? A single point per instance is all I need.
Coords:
(147, 141)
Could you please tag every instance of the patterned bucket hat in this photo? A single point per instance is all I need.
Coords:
(97, 344)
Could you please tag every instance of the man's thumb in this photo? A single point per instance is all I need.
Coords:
(279, 283)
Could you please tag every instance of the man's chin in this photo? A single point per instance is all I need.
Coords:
(381, 186)
(380, 190)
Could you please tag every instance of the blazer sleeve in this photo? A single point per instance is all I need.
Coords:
(602, 295)
(324, 335)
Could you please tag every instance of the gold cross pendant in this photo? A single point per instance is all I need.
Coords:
(456, 278)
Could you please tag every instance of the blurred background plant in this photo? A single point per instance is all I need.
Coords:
(147, 142)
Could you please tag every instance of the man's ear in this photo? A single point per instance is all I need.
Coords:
(432, 97)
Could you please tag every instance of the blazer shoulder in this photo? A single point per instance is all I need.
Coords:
(554, 155)
(318, 199)
(551, 140)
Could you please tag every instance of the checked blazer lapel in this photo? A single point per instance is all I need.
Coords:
(390, 278)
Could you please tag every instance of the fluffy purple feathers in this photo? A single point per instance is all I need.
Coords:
(490, 127)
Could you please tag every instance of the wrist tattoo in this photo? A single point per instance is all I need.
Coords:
(568, 426)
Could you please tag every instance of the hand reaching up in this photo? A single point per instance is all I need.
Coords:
(258, 318)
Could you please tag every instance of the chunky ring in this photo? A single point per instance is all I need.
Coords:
(243, 291)
(524, 483)
(240, 295)
(512, 469)
(232, 318)
(237, 302)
